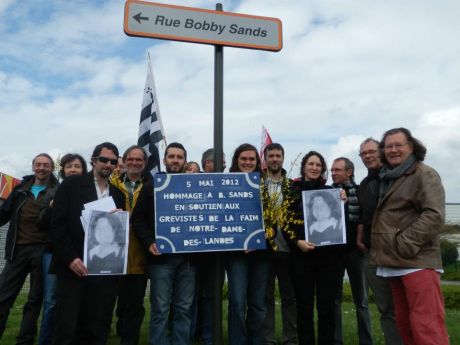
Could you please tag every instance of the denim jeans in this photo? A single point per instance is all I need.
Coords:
(172, 285)
(247, 281)
(49, 302)
(354, 264)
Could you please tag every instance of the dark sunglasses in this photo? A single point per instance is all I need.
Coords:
(106, 160)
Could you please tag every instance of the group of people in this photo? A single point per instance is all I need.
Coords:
(392, 225)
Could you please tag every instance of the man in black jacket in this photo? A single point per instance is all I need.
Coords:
(24, 245)
(353, 260)
(84, 303)
(172, 276)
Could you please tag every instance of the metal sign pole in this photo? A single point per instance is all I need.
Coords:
(219, 28)
(218, 167)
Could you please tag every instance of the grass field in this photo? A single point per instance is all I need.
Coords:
(452, 272)
(348, 313)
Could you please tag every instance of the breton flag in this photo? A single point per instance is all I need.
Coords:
(150, 126)
(266, 140)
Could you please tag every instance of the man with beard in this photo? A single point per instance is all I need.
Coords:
(277, 184)
(172, 275)
(24, 245)
(84, 303)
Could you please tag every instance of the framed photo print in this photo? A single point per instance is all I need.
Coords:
(324, 217)
(106, 243)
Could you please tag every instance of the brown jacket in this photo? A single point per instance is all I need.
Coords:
(408, 221)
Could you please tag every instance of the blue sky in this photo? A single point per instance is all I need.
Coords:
(70, 78)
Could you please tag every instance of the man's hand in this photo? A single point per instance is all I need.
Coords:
(78, 267)
(360, 239)
(362, 247)
(343, 195)
(305, 246)
(153, 249)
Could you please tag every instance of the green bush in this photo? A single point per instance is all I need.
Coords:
(449, 252)
(451, 295)
(451, 272)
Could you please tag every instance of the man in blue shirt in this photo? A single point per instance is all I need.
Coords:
(24, 245)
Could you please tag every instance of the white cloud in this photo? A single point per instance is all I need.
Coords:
(70, 78)
(439, 132)
(4, 5)
(16, 88)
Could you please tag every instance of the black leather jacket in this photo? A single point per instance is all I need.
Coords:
(9, 211)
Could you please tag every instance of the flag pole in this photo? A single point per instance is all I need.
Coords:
(151, 131)
(156, 98)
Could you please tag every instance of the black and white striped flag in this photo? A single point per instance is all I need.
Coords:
(150, 126)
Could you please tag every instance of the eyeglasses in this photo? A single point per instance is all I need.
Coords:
(106, 160)
(397, 146)
(368, 152)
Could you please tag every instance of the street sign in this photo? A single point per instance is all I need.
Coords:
(180, 23)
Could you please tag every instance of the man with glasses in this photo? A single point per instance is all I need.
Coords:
(24, 245)
(202, 306)
(207, 161)
(84, 303)
(130, 306)
(370, 156)
(405, 237)
(343, 176)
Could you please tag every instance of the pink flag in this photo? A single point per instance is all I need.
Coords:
(266, 139)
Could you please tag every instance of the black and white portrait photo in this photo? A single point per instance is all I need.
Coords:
(106, 243)
(324, 217)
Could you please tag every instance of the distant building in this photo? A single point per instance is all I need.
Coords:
(452, 213)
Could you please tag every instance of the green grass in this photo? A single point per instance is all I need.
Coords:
(348, 314)
(452, 272)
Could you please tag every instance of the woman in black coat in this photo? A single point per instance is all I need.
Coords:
(315, 270)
